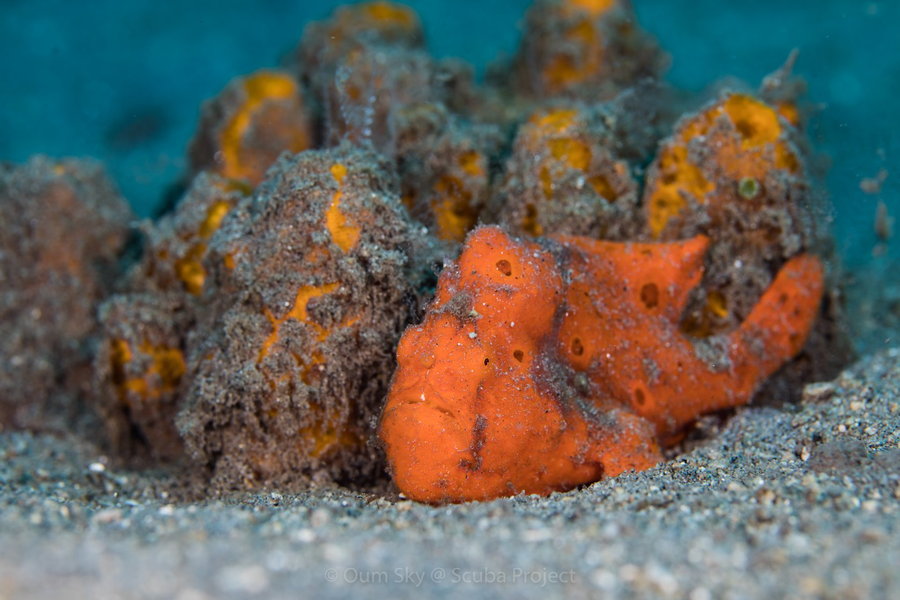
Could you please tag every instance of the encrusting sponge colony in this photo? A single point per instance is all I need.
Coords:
(618, 260)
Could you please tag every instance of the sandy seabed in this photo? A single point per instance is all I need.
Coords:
(795, 503)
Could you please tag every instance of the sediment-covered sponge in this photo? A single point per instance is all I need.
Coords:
(316, 281)
(354, 27)
(590, 49)
(563, 178)
(366, 90)
(444, 166)
(734, 172)
(63, 227)
(178, 243)
(247, 126)
(366, 64)
(139, 370)
(361, 65)
(721, 156)
(542, 366)
(141, 359)
(376, 86)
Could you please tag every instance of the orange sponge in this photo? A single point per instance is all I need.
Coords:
(542, 366)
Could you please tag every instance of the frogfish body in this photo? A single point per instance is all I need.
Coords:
(543, 365)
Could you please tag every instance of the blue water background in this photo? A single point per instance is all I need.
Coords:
(73, 74)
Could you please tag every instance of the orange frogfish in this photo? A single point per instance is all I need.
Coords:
(543, 365)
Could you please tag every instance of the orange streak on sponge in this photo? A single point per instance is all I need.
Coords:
(162, 375)
(541, 367)
(298, 312)
(390, 13)
(372, 19)
(268, 121)
(453, 195)
(190, 267)
(344, 234)
(594, 8)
